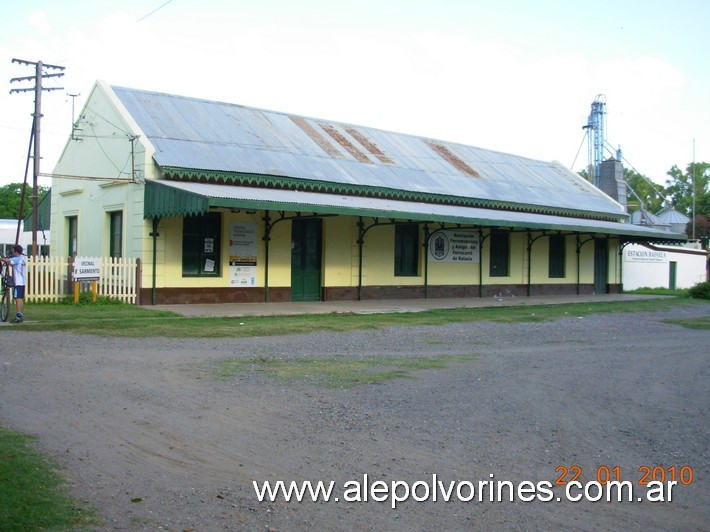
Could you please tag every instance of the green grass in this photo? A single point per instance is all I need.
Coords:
(333, 372)
(691, 323)
(33, 495)
(142, 322)
(681, 292)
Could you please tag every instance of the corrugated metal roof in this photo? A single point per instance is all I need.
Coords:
(672, 216)
(214, 136)
(173, 198)
(644, 217)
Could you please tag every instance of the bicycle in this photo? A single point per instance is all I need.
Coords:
(6, 290)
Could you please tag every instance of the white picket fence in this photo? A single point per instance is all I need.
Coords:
(50, 279)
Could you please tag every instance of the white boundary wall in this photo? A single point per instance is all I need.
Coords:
(8, 231)
(650, 266)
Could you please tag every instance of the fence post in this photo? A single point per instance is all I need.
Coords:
(70, 275)
(139, 298)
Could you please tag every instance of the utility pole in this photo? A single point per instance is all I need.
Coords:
(693, 188)
(39, 74)
(74, 129)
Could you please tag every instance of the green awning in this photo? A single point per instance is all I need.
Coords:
(168, 201)
(178, 198)
(44, 208)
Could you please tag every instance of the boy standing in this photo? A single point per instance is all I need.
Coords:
(19, 269)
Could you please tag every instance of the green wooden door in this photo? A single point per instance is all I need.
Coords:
(672, 274)
(306, 241)
(601, 266)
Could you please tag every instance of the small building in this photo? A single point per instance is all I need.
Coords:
(9, 235)
(677, 221)
(663, 266)
(227, 203)
(647, 218)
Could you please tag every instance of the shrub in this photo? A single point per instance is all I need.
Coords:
(85, 298)
(700, 291)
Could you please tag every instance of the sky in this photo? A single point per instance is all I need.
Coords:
(516, 76)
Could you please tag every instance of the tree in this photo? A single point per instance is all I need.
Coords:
(11, 196)
(702, 228)
(642, 194)
(680, 188)
(641, 191)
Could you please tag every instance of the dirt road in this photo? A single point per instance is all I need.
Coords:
(147, 421)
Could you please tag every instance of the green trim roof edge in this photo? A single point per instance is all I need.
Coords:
(195, 205)
(312, 185)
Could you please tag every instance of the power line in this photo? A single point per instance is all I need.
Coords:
(584, 137)
(154, 11)
(87, 107)
(646, 179)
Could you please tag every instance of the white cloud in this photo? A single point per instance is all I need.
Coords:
(492, 92)
(639, 83)
(39, 20)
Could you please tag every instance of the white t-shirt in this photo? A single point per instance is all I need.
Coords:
(19, 269)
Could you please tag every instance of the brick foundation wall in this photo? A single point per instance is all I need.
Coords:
(173, 296)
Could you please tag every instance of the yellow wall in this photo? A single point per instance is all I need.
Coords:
(540, 254)
(453, 273)
(378, 260)
(614, 261)
(339, 251)
(450, 273)
(539, 270)
(279, 254)
(340, 257)
(169, 253)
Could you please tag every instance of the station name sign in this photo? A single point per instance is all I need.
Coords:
(86, 269)
(645, 255)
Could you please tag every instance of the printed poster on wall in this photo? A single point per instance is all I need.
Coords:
(451, 245)
(242, 254)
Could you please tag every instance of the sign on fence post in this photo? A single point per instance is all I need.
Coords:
(86, 269)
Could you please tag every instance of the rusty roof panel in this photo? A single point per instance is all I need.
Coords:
(316, 137)
(345, 143)
(449, 156)
(368, 144)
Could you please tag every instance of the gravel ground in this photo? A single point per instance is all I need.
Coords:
(145, 420)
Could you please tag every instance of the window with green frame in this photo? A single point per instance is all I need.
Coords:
(500, 254)
(406, 250)
(556, 267)
(115, 242)
(73, 235)
(201, 237)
